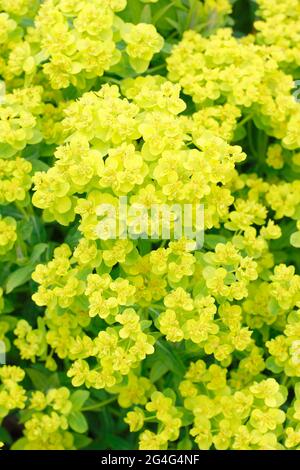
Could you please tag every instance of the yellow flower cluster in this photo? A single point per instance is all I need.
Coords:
(12, 394)
(8, 234)
(15, 180)
(47, 430)
(18, 126)
(239, 72)
(72, 42)
(101, 120)
(142, 42)
(279, 26)
(51, 416)
(248, 418)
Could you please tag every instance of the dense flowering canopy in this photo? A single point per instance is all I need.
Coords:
(144, 343)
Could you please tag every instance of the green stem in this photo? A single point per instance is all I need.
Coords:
(98, 406)
(162, 12)
(262, 145)
(111, 79)
(157, 308)
(243, 121)
(191, 14)
(150, 418)
(250, 140)
(156, 68)
(22, 210)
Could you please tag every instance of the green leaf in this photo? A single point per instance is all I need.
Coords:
(159, 369)
(25, 229)
(272, 366)
(38, 165)
(139, 65)
(42, 381)
(295, 239)
(297, 390)
(77, 422)
(185, 444)
(36, 137)
(19, 444)
(38, 250)
(167, 48)
(7, 151)
(78, 399)
(146, 15)
(239, 134)
(3, 412)
(144, 246)
(168, 392)
(38, 231)
(168, 356)
(284, 392)
(18, 278)
(187, 416)
(173, 23)
(211, 241)
(81, 441)
(273, 306)
(23, 275)
(11, 321)
(5, 436)
(25, 415)
(284, 241)
(116, 443)
(145, 324)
